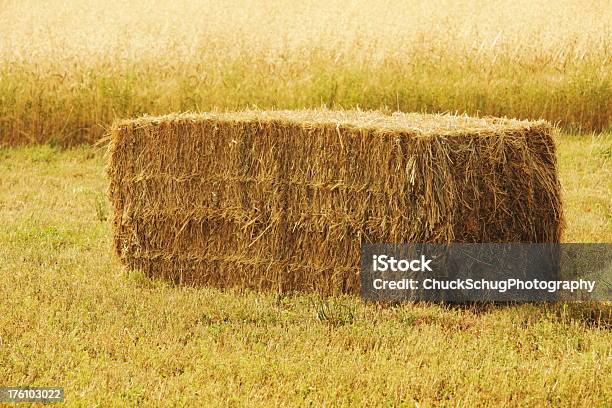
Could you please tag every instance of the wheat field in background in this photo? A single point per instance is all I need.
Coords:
(68, 69)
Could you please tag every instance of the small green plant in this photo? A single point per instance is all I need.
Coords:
(334, 312)
(96, 200)
(100, 205)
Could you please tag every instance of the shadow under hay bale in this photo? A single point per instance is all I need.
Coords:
(282, 200)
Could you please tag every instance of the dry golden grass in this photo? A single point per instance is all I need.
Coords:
(67, 69)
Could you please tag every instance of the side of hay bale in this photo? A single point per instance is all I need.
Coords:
(283, 200)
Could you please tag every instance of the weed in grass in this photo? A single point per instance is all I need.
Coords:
(333, 311)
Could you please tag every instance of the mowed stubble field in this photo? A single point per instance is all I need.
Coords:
(70, 315)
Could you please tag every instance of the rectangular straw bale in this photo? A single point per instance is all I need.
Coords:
(282, 200)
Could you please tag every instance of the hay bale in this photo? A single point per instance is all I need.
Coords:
(283, 199)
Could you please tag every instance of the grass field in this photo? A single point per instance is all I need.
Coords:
(69, 68)
(72, 316)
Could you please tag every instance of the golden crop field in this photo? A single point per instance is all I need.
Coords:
(68, 68)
